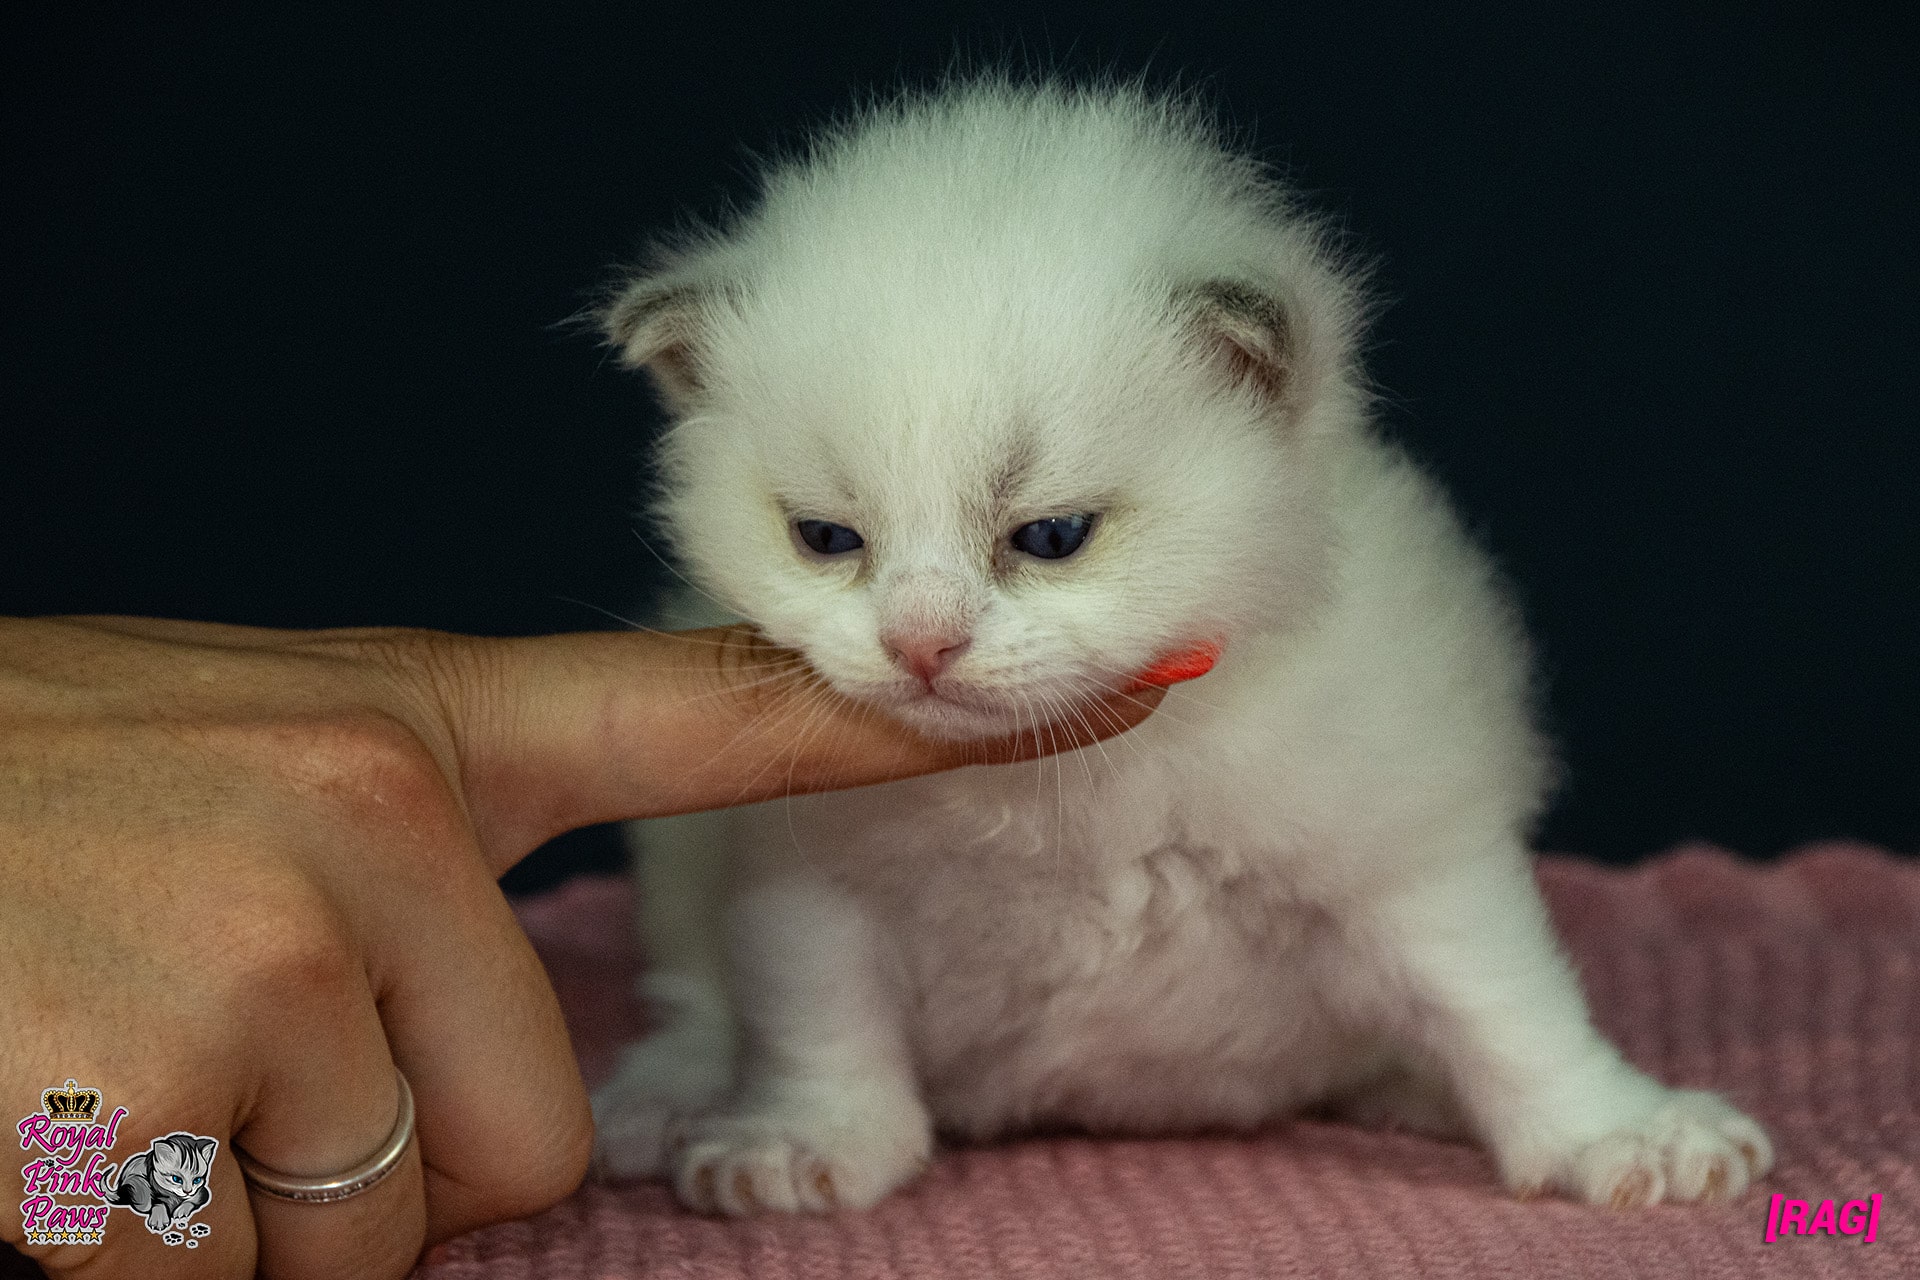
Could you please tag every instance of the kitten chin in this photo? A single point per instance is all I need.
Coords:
(961, 714)
(949, 723)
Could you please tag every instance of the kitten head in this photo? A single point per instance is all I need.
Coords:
(181, 1163)
(998, 395)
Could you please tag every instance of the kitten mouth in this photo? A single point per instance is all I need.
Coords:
(949, 712)
(956, 699)
(936, 693)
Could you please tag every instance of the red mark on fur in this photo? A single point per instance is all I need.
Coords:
(1188, 664)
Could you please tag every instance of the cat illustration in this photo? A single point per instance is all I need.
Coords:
(167, 1182)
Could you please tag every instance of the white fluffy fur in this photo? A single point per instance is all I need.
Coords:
(1302, 882)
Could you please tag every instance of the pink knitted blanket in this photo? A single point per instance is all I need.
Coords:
(1791, 987)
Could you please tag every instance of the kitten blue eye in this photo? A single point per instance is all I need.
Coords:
(1054, 538)
(828, 539)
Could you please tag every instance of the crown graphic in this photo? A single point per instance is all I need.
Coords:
(71, 1103)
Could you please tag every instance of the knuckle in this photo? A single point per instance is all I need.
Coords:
(364, 763)
(282, 939)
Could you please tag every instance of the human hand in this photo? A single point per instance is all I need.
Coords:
(248, 872)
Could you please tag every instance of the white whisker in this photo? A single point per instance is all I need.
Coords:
(674, 569)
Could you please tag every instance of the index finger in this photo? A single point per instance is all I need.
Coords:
(557, 732)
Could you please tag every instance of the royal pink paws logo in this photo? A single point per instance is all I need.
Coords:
(71, 1187)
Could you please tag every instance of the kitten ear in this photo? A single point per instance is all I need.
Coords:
(657, 328)
(1251, 338)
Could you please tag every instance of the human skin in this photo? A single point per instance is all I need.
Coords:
(247, 872)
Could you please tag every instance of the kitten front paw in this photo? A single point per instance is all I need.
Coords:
(629, 1131)
(798, 1158)
(1691, 1146)
(660, 1080)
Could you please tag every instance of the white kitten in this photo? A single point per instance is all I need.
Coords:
(996, 397)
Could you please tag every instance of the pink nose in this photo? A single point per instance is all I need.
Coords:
(925, 653)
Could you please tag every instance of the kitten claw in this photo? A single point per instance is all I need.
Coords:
(823, 1186)
(1716, 1188)
(1638, 1187)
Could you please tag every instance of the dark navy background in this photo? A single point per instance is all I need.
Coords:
(279, 297)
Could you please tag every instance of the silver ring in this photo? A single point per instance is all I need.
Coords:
(368, 1173)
